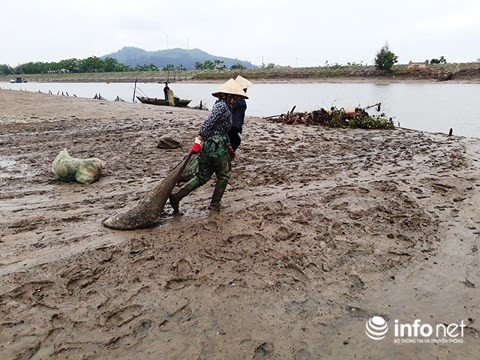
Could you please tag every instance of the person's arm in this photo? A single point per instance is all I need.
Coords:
(208, 125)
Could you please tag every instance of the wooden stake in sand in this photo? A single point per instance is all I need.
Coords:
(148, 210)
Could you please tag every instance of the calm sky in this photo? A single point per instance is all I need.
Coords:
(295, 33)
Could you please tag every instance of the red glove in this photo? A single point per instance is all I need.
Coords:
(231, 153)
(197, 146)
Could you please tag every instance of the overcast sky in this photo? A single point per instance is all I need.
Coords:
(295, 33)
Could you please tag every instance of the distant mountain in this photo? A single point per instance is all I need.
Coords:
(133, 56)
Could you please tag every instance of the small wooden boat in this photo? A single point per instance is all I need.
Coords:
(163, 102)
(18, 80)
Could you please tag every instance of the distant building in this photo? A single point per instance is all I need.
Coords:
(61, 71)
(414, 66)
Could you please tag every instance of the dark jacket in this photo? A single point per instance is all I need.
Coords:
(238, 113)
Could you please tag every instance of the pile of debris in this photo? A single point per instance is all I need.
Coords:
(354, 118)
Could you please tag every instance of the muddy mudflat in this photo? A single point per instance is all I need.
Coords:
(321, 229)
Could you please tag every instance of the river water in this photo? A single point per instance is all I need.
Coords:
(433, 107)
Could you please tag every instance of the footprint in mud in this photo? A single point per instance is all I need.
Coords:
(179, 283)
(211, 226)
(224, 255)
(283, 233)
(25, 291)
(124, 315)
(82, 279)
(138, 333)
(181, 315)
(357, 284)
(142, 329)
(139, 245)
(296, 272)
(184, 267)
(107, 254)
(185, 276)
(235, 239)
(23, 226)
(263, 350)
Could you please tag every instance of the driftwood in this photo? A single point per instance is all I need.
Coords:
(147, 212)
(354, 118)
(276, 116)
(378, 105)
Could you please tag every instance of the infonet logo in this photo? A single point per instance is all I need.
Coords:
(376, 328)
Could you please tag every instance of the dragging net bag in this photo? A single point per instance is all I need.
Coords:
(147, 211)
(190, 170)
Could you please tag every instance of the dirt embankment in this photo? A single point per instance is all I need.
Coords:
(321, 229)
(467, 72)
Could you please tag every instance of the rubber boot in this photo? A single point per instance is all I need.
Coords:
(217, 196)
(175, 198)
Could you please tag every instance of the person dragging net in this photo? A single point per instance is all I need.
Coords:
(213, 147)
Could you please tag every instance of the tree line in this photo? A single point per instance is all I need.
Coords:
(96, 64)
(91, 64)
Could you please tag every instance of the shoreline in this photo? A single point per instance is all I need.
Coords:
(345, 80)
(267, 108)
(259, 118)
(456, 73)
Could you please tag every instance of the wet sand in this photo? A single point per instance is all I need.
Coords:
(321, 229)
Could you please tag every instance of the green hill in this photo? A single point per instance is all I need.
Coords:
(133, 56)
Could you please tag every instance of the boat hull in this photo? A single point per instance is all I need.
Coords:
(162, 102)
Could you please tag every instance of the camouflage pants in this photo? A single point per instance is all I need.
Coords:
(213, 158)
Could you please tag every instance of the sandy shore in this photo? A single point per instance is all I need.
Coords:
(321, 230)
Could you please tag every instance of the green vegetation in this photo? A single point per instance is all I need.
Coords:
(210, 65)
(97, 65)
(360, 119)
(451, 71)
(237, 66)
(337, 118)
(438, 61)
(92, 64)
(371, 122)
(385, 58)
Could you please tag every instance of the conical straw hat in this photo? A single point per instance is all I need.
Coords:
(244, 83)
(230, 87)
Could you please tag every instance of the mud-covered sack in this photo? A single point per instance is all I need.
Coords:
(85, 171)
